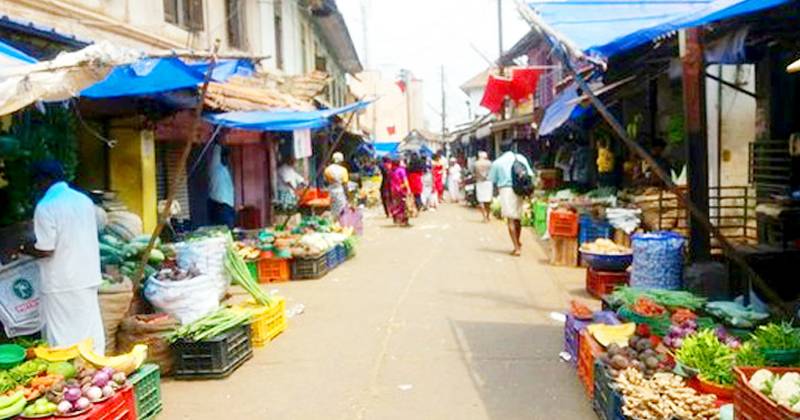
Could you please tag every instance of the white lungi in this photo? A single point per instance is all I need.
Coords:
(484, 191)
(73, 316)
(510, 204)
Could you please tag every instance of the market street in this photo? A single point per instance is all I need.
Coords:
(432, 322)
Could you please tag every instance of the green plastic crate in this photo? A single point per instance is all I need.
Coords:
(147, 390)
(540, 217)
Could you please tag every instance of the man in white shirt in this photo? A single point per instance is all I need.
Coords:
(289, 180)
(65, 226)
(510, 203)
(221, 209)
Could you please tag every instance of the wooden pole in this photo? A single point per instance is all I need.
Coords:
(194, 133)
(560, 51)
(696, 140)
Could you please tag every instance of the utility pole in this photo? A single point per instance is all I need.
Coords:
(444, 108)
(498, 138)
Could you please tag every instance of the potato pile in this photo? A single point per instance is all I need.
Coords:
(663, 396)
(640, 354)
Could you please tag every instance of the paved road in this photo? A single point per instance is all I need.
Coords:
(432, 322)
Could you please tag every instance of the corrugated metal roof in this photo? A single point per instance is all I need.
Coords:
(41, 31)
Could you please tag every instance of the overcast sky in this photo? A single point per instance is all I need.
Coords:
(423, 35)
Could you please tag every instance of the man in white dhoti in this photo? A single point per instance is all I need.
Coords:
(66, 241)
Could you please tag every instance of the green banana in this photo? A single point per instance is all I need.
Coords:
(14, 409)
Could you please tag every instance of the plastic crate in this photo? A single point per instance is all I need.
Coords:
(563, 223)
(601, 283)
(332, 258)
(540, 217)
(268, 323)
(273, 270)
(147, 391)
(607, 401)
(350, 249)
(119, 407)
(588, 350)
(750, 404)
(252, 267)
(214, 358)
(309, 268)
(591, 230)
(572, 330)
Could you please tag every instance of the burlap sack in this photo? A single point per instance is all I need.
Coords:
(115, 299)
(151, 330)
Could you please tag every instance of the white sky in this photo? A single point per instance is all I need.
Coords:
(423, 35)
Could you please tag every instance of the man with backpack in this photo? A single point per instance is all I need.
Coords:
(513, 177)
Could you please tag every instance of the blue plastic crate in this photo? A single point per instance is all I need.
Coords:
(607, 401)
(591, 230)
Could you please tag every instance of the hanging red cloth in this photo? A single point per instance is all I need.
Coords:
(497, 89)
(523, 84)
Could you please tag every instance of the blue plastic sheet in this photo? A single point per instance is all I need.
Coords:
(560, 111)
(225, 69)
(280, 120)
(608, 27)
(13, 56)
(147, 76)
(385, 148)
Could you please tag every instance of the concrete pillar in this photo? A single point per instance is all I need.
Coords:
(132, 169)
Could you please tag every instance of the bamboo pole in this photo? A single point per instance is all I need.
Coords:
(557, 43)
(194, 133)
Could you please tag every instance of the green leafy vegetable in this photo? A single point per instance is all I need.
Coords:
(711, 357)
(773, 336)
(211, 325)
(668, 298)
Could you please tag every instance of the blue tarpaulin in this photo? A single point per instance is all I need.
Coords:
(608, 27)
(280, 120)
(10, 56)
(385, 148)
(225, 69)
(560, 110)
(148, 76)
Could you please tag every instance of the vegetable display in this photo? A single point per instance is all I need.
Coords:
(663, 396)
(579, 310)
(90, 385)
(646, 307)
(605, 246)
(667, 298)
(640, 354)
(735, 314)
(781, 336)
(783, 389)
(237, 268)
(678, 332)
(711, 357)
(212, 325)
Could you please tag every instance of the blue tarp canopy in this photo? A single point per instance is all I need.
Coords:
(10, 56)
(225, 69)
(608, 27)
(386, 148)
(148, 76)
(280, 120)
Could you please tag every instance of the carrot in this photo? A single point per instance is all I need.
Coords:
(579, 310)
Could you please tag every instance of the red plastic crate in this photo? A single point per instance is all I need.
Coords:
(588, 350)
(601, 283)
(563, 223)
(121, 406)
(273, 270)
(749, 404)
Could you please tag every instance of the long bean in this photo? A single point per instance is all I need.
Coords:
(237, 268)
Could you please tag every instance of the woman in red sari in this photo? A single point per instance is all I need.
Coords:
(415, 170)
(437, 168)
(399, 190)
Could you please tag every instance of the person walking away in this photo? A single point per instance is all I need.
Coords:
(454, 181)
(484, 189)
(65, 227)
(430, 198)
(337, 177)
(386, 182)
(506, 173)
(438, 169)
(289, 181)
(221, 209)
(416, 169)
(399, 191)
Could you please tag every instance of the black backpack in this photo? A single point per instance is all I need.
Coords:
(521, 180)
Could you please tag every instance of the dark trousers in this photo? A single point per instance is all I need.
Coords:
(220, 214)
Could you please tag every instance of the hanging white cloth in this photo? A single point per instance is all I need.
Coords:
(302, 143)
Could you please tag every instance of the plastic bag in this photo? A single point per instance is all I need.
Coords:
(186, 300)
(208, 256)
(657, 260)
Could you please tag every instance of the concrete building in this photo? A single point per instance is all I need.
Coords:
(294, 36)
(398, 111)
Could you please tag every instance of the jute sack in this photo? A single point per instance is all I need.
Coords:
(115, 299)
(151, 330)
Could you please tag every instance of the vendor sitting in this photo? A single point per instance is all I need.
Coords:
(289, 180)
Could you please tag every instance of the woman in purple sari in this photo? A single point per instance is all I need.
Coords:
(399, 190)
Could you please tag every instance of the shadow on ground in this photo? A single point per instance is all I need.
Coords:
(516, 370)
